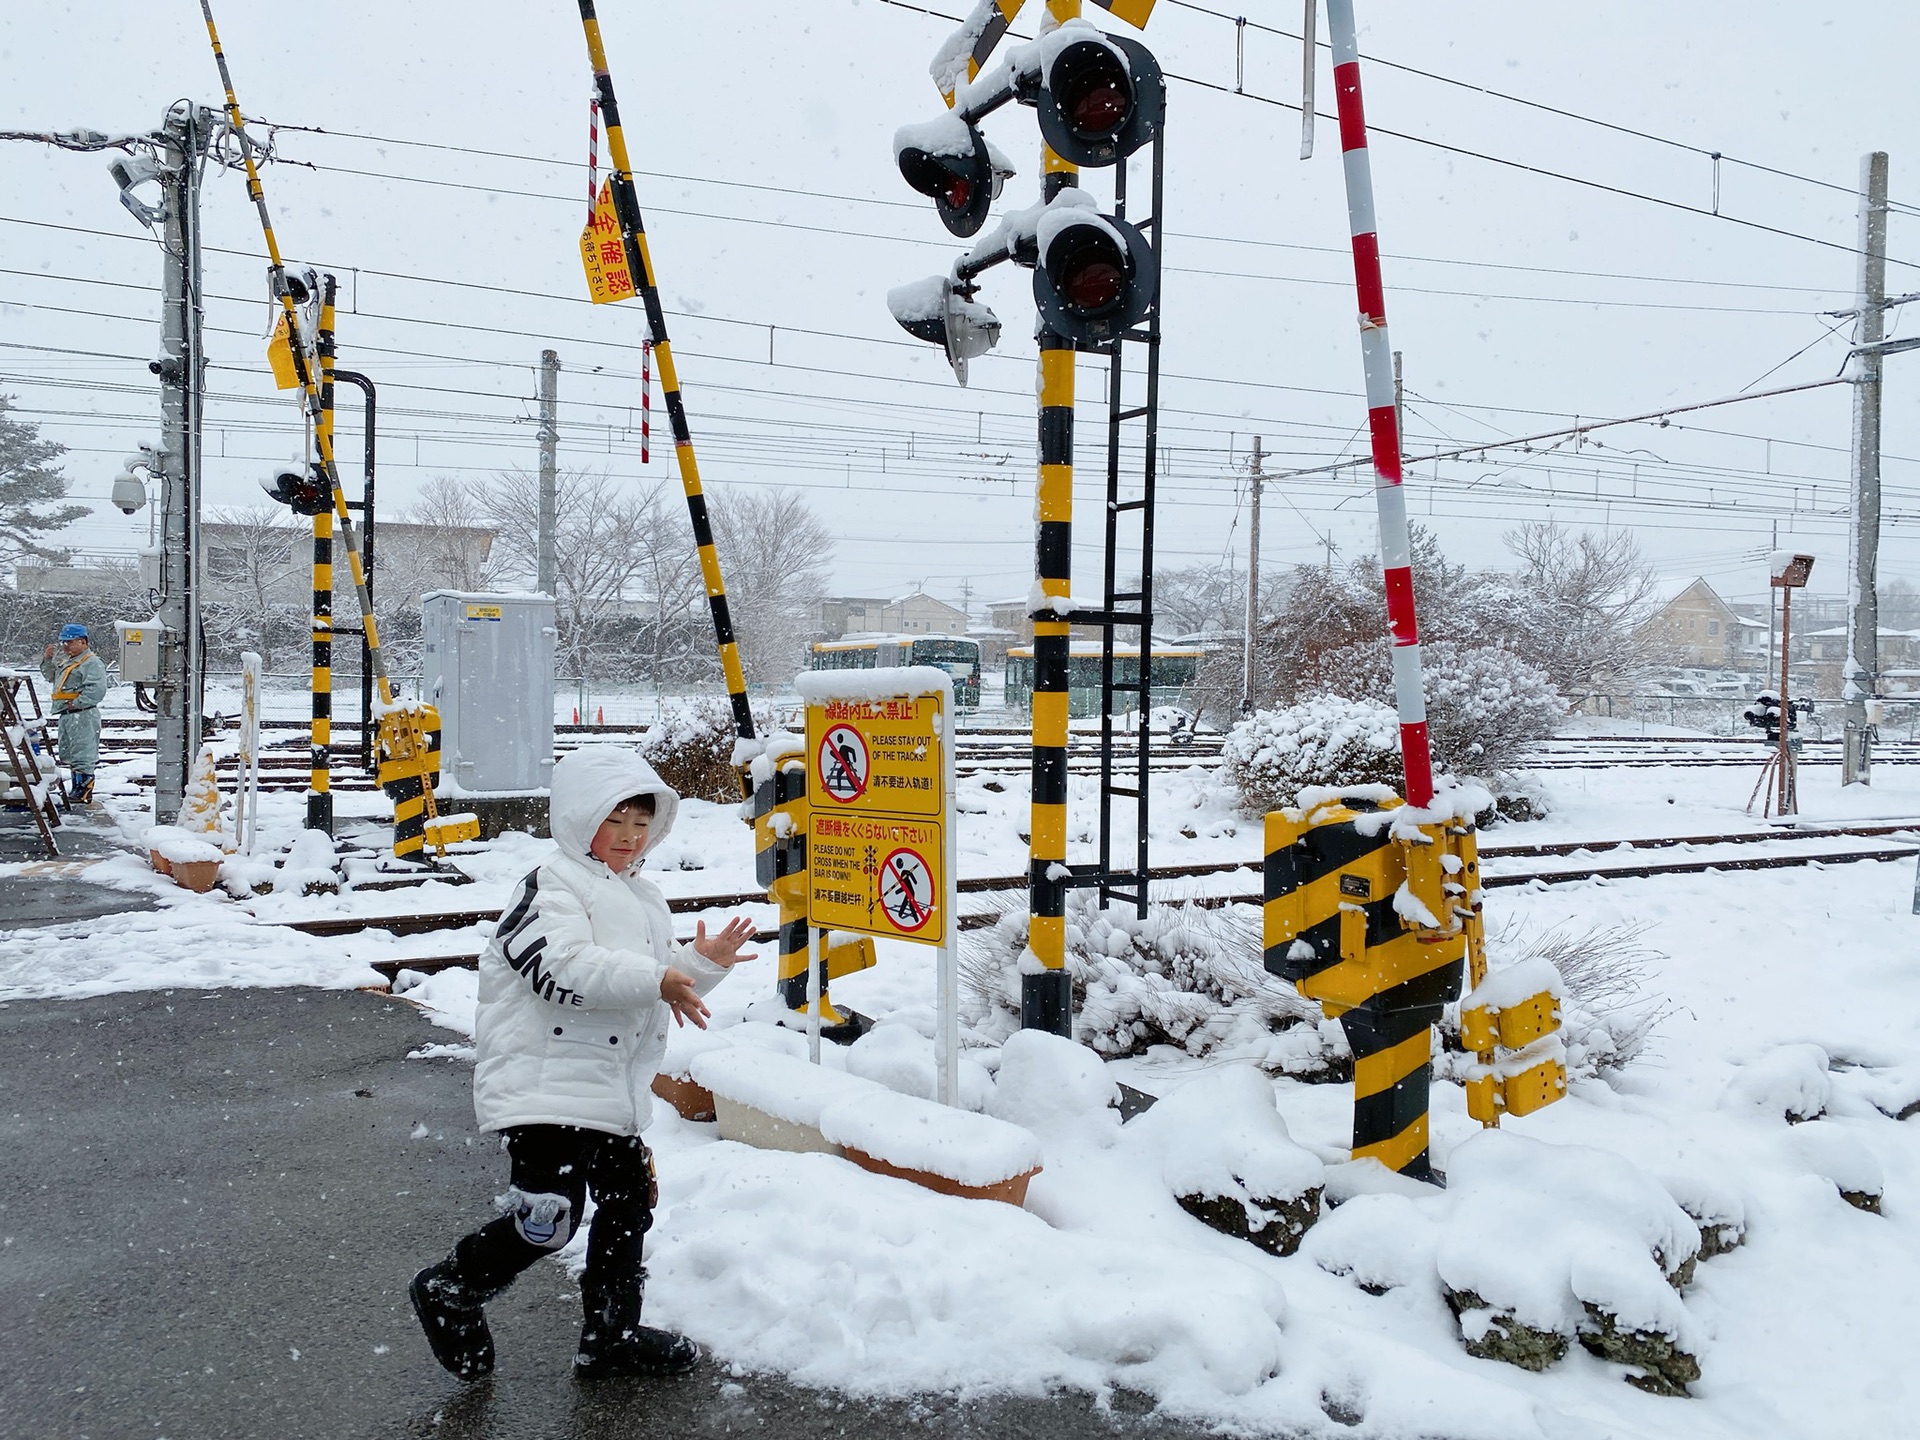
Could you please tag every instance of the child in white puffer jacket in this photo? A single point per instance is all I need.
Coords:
(577, 989)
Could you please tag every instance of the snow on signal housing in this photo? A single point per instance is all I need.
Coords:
(1097, 278)
(1100, 99)
(950, 161)
(305, 492)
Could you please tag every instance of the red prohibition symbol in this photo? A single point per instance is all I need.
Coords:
(906, 889)
(842, 764)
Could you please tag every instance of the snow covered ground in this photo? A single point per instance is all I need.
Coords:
(1787, 990)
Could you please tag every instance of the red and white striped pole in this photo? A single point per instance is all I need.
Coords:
(646, 399)
(593, 156)
(1376, 356)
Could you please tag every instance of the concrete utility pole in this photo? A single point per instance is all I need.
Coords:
(549, 468)
(1258, 476)
(1861, 678)
(182, 370)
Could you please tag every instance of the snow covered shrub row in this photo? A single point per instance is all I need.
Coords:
(691, 745)
(1484, 706)
(1184, 976)
(1326, 741)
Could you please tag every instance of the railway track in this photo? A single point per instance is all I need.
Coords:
(1596, 860)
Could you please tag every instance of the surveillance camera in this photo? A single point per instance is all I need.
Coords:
(129, 495)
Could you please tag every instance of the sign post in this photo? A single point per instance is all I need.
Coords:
(880, 831)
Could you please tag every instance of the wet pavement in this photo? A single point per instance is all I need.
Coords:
(209, 1210)
(50, 890)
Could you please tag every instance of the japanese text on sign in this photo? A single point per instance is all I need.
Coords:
(877, 755)
(603, 253)
(879, 875)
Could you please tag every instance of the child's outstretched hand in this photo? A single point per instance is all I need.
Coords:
(676, 988)
(724, 949)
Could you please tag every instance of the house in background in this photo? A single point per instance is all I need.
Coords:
(1696, 628)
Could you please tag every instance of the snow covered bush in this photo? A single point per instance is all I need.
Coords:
(1485, 704)
(692, 747)
(1328, 741)
(1185, 976)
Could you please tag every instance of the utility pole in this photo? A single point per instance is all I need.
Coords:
(1258, 476)
(549, 468)
(1860, 679)
(182, 371)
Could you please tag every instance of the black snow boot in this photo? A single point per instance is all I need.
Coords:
(456, 1326)
(615, 1345)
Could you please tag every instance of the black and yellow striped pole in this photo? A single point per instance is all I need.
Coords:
(319, 783)
(1046, 996)
(409, 735)
(626, 204)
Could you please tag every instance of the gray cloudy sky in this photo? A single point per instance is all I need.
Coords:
(761, 133)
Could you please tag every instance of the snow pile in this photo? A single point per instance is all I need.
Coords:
(946, 134)
(902, 1059)
(1054, 1087)
(817, 687)
(914, 1134)
(1220, 1138)
(1548, 1242)
(1789, 1081)
(1273, 754)
(1382, 1241)
(1185, 976)
(1835, 1152)
(308, 868)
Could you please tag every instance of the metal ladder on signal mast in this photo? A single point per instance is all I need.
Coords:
(23, 760)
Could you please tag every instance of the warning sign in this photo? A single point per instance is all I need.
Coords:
(877, 874)
(878, 755)
(603, 251)
(842, 764)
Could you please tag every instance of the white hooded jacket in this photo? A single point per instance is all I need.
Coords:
(571, 1028)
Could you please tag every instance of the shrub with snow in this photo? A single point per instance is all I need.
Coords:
(691, 745)
(1325, 741)
(1790, 1082)
(1184, 976)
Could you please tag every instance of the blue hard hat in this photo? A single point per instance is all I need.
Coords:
(71, 632)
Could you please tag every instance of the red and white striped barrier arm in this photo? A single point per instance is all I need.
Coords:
(1376, 355)
(646, 400)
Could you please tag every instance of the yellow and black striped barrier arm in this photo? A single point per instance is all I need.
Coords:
(320, 777)
(1338, 883)
(626, 204)
(304, 370)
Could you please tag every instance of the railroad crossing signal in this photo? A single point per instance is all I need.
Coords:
(951, 161)
(305, 492)
(1099, 100)
(1096, 278)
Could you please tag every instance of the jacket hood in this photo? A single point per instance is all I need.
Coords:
(590, 781)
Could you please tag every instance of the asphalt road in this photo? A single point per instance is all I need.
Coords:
(211, 1202)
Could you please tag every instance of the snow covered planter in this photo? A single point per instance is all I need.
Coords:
(1551, 1243)
(1225, 1153)
(1184, 976)
(191, 863)
(1326, 741)
(781, 1102)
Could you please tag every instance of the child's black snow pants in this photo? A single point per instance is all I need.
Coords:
(553, 1168)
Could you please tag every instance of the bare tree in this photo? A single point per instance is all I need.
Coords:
(775, 554)
(1586, 597)
(607, 532)
(255, 599)
(454, 548)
